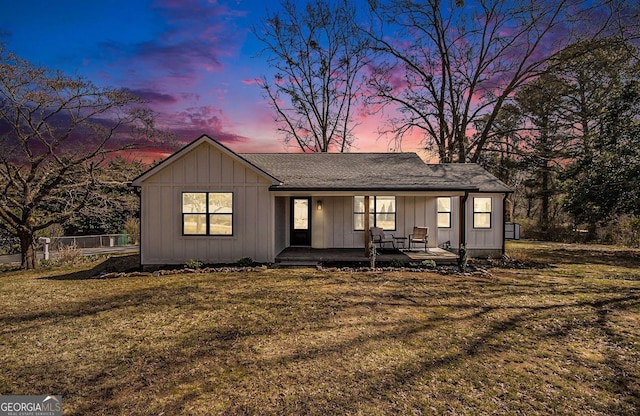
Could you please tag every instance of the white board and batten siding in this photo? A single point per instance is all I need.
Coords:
(333, 226)
(206, 169)
(481, 242)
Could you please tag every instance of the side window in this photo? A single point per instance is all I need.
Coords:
(207, 213)
(444, 212)
(481, 212)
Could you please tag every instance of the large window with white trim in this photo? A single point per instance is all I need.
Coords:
(382, 212)
(444, 212)
(207, 213)
(481, 212)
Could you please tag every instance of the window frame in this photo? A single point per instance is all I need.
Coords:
(208, 215)
(448, 213)
(490, 212)
(373, 212)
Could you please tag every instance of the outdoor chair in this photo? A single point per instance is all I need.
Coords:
(420, 235)
(379, 238)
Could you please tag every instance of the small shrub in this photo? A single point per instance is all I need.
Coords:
(132, 228)
(396, 263)
(463, 258)
(633, 232)
(193, 264)
(624, 231)
(47, 263)
(70, 254)
(561, 233)
(429, 264)
(245, 262)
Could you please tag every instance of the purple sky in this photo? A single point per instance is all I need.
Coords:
(194, 61)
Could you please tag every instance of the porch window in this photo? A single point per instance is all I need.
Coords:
(444, 212)
(207, 213)
(382, 212)
(482, 212)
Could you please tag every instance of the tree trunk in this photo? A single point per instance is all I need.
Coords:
(28, 250)
(592, 232)
(508, 208)
(545, 194)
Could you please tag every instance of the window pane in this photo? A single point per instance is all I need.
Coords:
(358, 221)
(194, 202)
(358, 203)
(481, 204)
(221, 224)
(220, 203)
(444, 204)
(301, 214)
(482, 220)
(195, 223)
(385, 204)
(444, 220)
(386, 221)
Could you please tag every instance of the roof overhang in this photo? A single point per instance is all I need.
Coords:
(284, 191)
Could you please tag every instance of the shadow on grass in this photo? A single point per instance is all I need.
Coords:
(618, 258)
(330, 343)
(115, 264)
(227, 355)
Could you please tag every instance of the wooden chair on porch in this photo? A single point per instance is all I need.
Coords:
(379, 238)
(420, 235)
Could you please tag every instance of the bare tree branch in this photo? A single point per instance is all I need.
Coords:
(317, 53)
(55, 131)
(452, 64)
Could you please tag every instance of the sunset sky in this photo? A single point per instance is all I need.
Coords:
(195, 62)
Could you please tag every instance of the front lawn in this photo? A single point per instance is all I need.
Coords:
(563, 339)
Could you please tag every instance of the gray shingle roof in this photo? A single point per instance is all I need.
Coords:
(371, 171)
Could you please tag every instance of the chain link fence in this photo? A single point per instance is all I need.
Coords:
(92, 241)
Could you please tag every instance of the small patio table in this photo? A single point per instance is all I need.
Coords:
(400, 242)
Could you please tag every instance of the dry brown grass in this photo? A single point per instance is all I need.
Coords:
(538, 341)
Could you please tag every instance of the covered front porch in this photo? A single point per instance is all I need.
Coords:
(324, 220)
(307, 256)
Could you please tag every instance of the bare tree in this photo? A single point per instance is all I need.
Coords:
(317, 53)
(55, 132)
(452, 65)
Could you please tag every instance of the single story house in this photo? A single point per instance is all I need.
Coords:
(208, 203)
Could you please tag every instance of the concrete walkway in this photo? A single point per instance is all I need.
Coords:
(131, 249)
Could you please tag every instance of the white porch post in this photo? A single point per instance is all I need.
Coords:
(366, 226)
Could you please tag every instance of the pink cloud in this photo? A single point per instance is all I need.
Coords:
(193, 122)
(154, 97)
(252, 81)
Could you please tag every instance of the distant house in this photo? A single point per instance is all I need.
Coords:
(209, 203)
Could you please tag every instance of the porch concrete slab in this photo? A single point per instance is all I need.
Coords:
(307, 255)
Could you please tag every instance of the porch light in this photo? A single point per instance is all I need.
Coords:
(319, 205)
